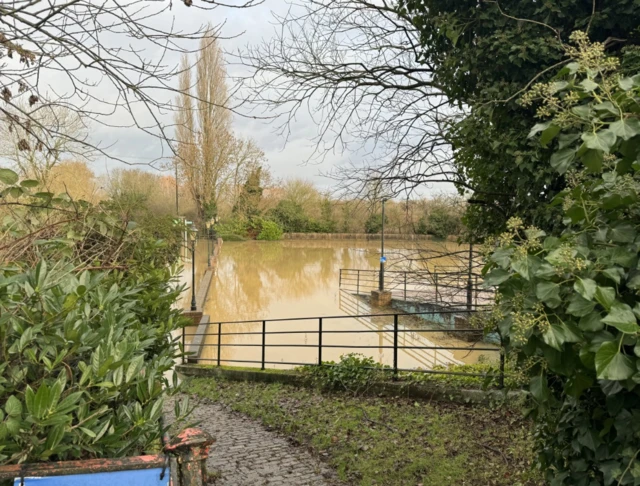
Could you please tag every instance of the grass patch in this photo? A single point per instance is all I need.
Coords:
(390, 441)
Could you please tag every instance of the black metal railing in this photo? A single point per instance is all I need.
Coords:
(221, 336)
(451, 289)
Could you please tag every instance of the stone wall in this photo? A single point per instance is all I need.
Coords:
(361, 236)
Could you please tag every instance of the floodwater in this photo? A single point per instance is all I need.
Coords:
(272, 281)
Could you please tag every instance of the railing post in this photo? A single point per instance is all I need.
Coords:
(219, 339)
(395, 346)
(191, 449)
(358, 284)
(435, 279)
(184, 344)
(405, 286)
(264, 335)
(501, 377)
(319, 341)
(340, 279)
(476, 292)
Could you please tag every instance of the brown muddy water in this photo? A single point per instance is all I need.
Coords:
(300, 278)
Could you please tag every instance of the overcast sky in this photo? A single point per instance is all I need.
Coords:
(286, 157)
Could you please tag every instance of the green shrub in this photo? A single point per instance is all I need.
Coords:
(236, 227)
(270, 231)
(354, 373)
(86, 315)
(442, 222)
(373, 224)
(569, 304)
(290, 216)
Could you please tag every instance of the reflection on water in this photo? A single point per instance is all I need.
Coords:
(276, 280)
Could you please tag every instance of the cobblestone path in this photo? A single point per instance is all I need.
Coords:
(247, 454)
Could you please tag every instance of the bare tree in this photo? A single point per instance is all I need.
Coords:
(246, 158)
(354, 65)
(208, 154)
(37, 159)
(107, 62)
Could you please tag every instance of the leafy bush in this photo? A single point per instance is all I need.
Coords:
(373, 224)
(270, 231)
(290, 216)
(354, 373)
(442, 222)
(86, 315)
(569, 305)
(232, 230)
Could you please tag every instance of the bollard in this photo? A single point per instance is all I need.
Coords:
(191, 449)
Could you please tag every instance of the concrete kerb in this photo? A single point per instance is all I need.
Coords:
(387, 389)
(194, 348)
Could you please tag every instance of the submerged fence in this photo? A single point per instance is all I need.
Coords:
(451, 289)
(426, 342)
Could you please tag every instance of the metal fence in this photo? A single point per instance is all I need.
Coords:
(391, 330)
(451, 289)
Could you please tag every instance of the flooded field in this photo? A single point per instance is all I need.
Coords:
(294, 279)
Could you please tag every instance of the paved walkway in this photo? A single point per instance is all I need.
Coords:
(247, 454)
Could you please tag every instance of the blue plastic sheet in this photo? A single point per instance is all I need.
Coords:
(143, 477)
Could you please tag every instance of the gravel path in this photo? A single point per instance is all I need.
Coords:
(247, 454)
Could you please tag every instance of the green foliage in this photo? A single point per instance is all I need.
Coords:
(484, 54)
(569, 304)
(290, 216)
(373, 224)
(354, 373)
(249, 199)
(442, 222)
(234, 229)
(86, 312)
(270, 231)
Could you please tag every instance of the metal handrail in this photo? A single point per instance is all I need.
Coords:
(320, 331)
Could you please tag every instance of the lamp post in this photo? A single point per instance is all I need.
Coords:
(193, 270)
(383, 259)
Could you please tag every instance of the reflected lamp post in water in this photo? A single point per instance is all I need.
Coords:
(193, 269)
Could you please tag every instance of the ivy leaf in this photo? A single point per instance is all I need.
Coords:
(592, 159)
(611, 364)
(614, 273)
(496, 277)
(7, 176)
(554, 336)
(626, 83)
(502, 256)
(577, 384)
(562, 159)
(588, 85)
(602, 140)
(623, 233)
(585, 287)
(622, 318)
(591, 322)
(539, 389)
(579, 306)
(566, 139)
(526, 267)
(537, 128)
(549, 134)
(546, 291)
(607, 106)
(605, 296)
(626, 128)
